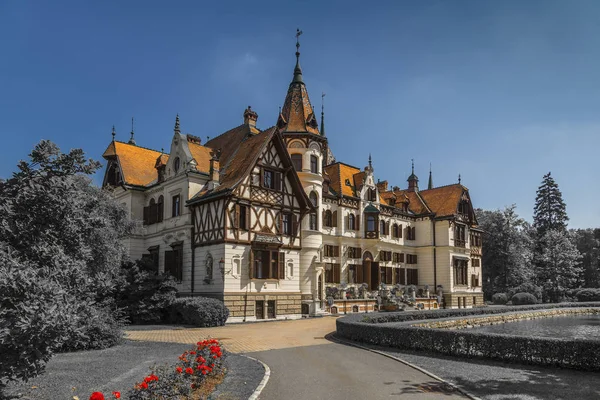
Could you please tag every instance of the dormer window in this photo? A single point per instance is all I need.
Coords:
(371, 194)
(271, 179)
(177, 164)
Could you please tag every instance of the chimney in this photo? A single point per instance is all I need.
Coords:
(382, 186)
(250, 117)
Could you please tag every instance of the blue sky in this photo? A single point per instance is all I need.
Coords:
(499, 91)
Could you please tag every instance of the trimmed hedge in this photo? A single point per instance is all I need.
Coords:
(523, 298)
(588, 295)
(567, 353)
(500, 299)
(199, 311)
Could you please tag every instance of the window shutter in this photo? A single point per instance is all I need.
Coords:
(277, 177)
(415, 259)
(387, 228)
(336, 273)
(359, 274)
(414, 233)
(161, 211)
(281, 223)
(294, 225)
(324, 218)
(281, 269)
(336, 251)
(381, 255)
(402, 276)
(357, 222)
(334, 219)
(400, 231)
(251, 271)
(388, 275)
(248, 211)
(262, 178)
(145, 215)
(347, 222)
(401, 257)
(236, 216)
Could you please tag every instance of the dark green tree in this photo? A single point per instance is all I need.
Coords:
(587, 242)
(60, 256)
(550, 210)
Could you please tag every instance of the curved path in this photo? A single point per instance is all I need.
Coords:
(305, 365)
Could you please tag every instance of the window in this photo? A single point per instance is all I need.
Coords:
(209, 267)
(176, 211)
(312, 221)
(386, 275)
(177, 164)
(331, 251)
(314, 198)
(371, 223)
(411, 233)
(354, 252)
(332, 273)
(475, 239)
(385, 255)
(371, 194)
(271, 179)
(412, 276)
(460, 235)
(352, 273)
(241, 217)
(411, 258)
(474, 280)
(297, 161)
(395, 231)
(460, 271)
(398, 257)
(463, 207)
(329, 218)
(174, 261)
(151, 260)
(400, 275)
(351, 222)
(160, 208)
(314, 164)
(475, 262)
(287, 224)
(382, 228)
(153, 213)
(267, 264)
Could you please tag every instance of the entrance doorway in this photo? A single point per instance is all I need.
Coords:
(270, 308)
(375, 276)
(260, 309)
(370, 271)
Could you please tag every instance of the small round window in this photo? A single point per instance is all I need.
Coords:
(177, 164)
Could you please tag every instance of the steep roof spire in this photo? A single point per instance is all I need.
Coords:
(430, 184)
(177, 129)
(459, 179)
(413, 180)
(297, 69)
(323, 114)
(114, 133)
(132, 139)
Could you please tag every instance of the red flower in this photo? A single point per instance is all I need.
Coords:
(143, 385)
(179, 369)
(117, 395)
(192, 352)
(189, 370)
(97, 396)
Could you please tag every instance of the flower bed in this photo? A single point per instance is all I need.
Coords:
(194, 376)
(375, 329)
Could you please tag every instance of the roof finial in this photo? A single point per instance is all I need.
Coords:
(459, 179)
(412, 160)
(114, 133)
(177, 128)
(370, 166)
(323, 114)
(297, 69)
(430, 185)
(132, 140)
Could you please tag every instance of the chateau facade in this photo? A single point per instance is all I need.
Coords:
(266, 220)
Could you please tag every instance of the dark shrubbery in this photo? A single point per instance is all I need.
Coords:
(500, 298)
(526, 288)
(199, 311)
(145, 297)
(523, 298)
(588, 295)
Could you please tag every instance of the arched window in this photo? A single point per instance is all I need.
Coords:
(314, 164)
(371, 223)
(152, 202)
(297, 161)
(209, 267)
(382, 227)
(351, 222)
(313, 198)
(160, 208)
(395, 230)
(312, 222)
(177, 164)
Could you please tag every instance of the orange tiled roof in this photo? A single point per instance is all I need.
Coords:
(137, 163)
(443, 200)
(202, 156)
(297, 114)
(341, 173)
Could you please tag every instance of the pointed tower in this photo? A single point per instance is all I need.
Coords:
(413, 180)
(430, 184)
(132, 139)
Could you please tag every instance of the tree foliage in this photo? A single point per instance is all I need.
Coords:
(588, 244)
(60, 253)
(550, 212)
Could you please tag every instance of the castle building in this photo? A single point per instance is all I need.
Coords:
(266, 220)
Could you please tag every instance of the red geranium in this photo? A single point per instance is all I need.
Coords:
(117, 395)
(189, 370)
(97, 396)
(179, 370)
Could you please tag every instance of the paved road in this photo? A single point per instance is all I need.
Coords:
(338, 372)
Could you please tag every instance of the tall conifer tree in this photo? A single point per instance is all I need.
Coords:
(550, 211)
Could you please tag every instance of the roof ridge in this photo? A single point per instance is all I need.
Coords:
(227, 131)
(138, 146)
(342, 163)
(423, 201)
(443, 186)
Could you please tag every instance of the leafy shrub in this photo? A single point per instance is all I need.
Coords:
(199, 311)
(526, 287)
(523, 298)
(588, 295)
(97, 328)
(145, 298)
(179, 381)
(500, 298)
